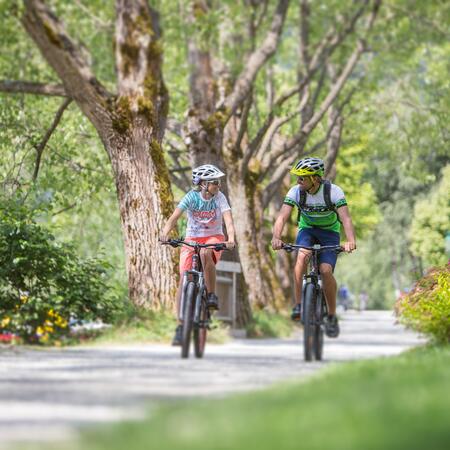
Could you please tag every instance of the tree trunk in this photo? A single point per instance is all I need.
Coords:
(263, 287)
(131, 126)
(145, 202)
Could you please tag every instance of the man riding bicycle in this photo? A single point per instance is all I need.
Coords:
(322, 208)
(206, 208)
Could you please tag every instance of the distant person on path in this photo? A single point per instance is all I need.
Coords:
(363, 298)
(207, 208)
(343, 296)
(322, 207)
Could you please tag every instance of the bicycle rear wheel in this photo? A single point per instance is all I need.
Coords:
(201, 328)
(308, 321)
(188, 312)
(318, 329)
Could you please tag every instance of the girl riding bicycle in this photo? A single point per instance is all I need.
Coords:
(207, 208)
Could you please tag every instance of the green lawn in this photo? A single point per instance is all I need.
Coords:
(390, 403)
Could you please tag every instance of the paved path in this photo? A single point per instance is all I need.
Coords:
(47, 394)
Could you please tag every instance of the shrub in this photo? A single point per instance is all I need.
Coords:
(44, 285)
(427, 308)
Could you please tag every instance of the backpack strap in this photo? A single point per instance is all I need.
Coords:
(327, 195)
(301, 202)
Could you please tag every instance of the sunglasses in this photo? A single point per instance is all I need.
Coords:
(214, 182)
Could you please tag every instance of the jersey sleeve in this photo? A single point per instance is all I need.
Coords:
(223, 203)
(292, 197)
(337, 196)
(185, 202)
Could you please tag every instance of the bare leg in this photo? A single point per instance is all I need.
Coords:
(178, 298)
(209, 270)
(329, 287)
(299, 270)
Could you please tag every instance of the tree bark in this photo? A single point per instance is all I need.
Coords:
(263, 289)
(131, 126)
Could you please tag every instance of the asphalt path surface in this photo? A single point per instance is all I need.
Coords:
(50, 394)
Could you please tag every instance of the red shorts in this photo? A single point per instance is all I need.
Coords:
(187, 252)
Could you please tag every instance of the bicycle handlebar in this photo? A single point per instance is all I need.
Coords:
(177, 242)
(317, 247)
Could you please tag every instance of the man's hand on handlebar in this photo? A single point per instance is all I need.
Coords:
(277, 244)
(349, 246)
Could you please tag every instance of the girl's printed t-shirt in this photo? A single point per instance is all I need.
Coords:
(204, 216)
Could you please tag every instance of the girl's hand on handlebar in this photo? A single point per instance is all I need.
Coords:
(230, 244)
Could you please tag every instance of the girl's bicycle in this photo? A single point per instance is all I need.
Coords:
(194, 313)
(314, 305)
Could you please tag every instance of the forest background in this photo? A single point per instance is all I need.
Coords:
(250, 86)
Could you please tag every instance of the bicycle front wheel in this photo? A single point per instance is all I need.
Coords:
(318, 329)
(188, 312)
(201, 328)
(308, 321)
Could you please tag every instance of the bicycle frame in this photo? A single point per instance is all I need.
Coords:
(193, 301)
(196, 275)
(315, 307)
(313, 275)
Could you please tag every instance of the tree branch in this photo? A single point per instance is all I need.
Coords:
(29, 87)
(41, 146)
(256, 60)
(67, 59)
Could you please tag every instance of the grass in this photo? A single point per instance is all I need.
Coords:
(265, 324)
(142, 326)
(389, 403)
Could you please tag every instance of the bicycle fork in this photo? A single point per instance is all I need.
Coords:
(188, 277)
(198, 301)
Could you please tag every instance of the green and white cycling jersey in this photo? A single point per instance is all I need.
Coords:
(204, 216)
(315, 212)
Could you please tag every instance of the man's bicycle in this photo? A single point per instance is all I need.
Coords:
(314, 305)
(194, 313)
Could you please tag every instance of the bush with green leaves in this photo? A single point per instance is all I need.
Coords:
(427, 308)
(44, 285)
(431, 222)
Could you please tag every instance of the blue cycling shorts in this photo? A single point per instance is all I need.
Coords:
(311, 236)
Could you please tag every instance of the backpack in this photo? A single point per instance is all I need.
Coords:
(326, 197)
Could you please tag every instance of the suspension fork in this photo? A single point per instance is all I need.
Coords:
(198, 298)
(183, 292)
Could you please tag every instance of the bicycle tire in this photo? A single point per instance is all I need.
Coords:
(308, 321)
(318, 329)
(200, 329)
(186, 330)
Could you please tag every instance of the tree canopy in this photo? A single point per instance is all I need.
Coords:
(384, 135)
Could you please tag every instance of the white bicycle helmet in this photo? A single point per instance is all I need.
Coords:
(205, 173)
